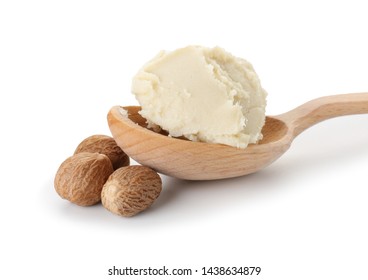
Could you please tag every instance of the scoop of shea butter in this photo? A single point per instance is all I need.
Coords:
(203, 94)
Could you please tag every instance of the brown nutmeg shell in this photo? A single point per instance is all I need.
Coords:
(80, 178)
(106, 145)
(130, 190)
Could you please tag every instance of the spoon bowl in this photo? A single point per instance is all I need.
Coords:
(184, 159)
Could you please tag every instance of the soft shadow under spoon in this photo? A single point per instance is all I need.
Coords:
(185, 159)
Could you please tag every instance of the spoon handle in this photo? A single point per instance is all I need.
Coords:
(324, 108)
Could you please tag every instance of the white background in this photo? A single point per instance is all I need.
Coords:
(63, 64)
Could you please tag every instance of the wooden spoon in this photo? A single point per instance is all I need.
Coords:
(203, 161)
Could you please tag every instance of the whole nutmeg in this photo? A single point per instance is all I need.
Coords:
(80, 178)
(130, 190)
(106, 145)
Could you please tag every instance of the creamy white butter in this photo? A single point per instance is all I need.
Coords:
(202, 94)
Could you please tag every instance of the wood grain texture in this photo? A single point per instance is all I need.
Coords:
(203, 161)
(192, 160)
(324, 108)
